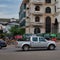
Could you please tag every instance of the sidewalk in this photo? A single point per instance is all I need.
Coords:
(58, 42)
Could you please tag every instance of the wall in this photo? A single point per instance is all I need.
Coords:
(58, 10)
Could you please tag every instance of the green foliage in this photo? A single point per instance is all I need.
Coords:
(22, 31)
(17, 31)
(2, 35)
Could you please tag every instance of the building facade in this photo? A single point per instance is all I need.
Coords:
(38, 16)
(58, 17)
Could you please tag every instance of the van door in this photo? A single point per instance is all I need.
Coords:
(42, 42)
(34, 42)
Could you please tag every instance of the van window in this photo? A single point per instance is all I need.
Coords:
(41, 39)
(35, 39)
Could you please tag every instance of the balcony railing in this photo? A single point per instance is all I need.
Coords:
(43, 3)
(35, 24)
(37, 3)
(37, 13)
(57, 13)
(52, 4)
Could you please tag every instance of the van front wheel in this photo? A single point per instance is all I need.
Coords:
(51, 47)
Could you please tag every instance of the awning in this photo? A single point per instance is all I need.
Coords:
(18, 37)
(53, 35)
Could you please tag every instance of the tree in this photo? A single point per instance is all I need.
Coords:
(17, 31)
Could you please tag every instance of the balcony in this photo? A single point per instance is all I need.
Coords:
(52, 14)
(57, 13)
(49, 14)
(37, 3)
(52, 4)
(41, 2)
(37, 13)
(35, 24)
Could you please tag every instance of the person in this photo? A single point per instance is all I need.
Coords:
(54, 39)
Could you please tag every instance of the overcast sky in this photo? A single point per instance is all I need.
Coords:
(9, 8)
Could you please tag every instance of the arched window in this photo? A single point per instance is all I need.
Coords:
(48, 24)
(36, 30)
(48, 1)
(56, 22)
(37, 19)
(37, 8)
(48, 10)
(55, 26)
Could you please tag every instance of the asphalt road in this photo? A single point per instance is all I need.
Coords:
(11, 53)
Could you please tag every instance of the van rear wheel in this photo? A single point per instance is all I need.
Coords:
(25, 48)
